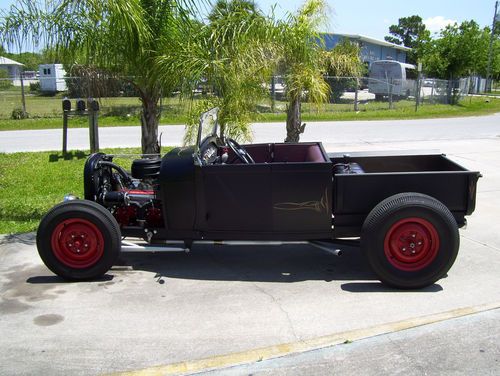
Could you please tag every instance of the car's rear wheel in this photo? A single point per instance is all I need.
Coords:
(411, 240)
(78, 240)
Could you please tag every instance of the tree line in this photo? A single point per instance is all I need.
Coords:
(456, 51)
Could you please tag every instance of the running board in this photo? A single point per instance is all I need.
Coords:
(180, 246)
(153, 248)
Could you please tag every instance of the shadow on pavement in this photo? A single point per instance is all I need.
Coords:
(379, 287)
(252, 264)
(28, 238)
(283, 264)
(48, 279)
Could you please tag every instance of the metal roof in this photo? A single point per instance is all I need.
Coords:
(379, 42)
(7, 61)
(405, 65)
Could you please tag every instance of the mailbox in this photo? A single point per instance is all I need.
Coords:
(66, 104)
(81, 110)
(80, 105)
(92, 104)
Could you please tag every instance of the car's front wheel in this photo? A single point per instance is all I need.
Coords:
(411, 240)
(78, 240)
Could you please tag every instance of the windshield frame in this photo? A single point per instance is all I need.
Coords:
(204, 123)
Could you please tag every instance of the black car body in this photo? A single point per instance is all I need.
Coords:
(406, 209)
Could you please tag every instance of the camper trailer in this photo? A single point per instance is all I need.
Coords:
(52, 78)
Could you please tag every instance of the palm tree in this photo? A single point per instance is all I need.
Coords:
(304, 62)
(343, 68)
(232, 55)
(121, 37)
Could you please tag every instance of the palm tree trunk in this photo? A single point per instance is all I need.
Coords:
(149, 125)
(293, 121)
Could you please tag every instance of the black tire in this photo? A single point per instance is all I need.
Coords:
(411, 240)
(379, 97)
(78, 240)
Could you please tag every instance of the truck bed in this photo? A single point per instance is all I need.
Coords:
(377, 176)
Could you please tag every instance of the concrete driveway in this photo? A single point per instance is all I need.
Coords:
(466, 345)
(154, 310)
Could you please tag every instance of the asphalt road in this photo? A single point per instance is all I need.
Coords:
(357, 134)
(153, 310)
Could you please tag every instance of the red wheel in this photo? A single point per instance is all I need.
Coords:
(410, 240)
(77, 243)
(78, 240)
(411, 244)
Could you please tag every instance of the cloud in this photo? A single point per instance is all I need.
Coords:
(436, 24)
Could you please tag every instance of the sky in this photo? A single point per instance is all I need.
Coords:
(372, 18)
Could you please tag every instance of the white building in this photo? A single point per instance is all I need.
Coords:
(52, 78)
(13, 68)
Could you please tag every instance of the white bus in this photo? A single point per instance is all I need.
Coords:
(387, 73)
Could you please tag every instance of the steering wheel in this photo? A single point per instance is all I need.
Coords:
(239, 151)
(208, 149)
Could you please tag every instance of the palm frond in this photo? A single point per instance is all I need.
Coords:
(235, 55)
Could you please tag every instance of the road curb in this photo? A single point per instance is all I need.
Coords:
(280, 350)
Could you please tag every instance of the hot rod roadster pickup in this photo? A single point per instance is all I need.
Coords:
(403, 210)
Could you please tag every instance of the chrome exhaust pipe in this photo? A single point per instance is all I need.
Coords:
(325, 247)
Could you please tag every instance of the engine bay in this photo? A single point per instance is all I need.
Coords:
(130, 197)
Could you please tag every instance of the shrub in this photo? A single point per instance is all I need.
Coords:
(34, 86)
(18, 114)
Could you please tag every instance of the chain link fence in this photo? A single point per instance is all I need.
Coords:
(42, 98)
(367, 94)
(118, 97)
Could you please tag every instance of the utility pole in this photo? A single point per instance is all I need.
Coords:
(490, 51)
(417, 91)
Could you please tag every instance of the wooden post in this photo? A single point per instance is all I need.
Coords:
(66, 106)
(65, 133)
(93, 109)
(273, 93)
(23, 98)
(356, 102)
(96, 124)
(390, 94)
(417, 94)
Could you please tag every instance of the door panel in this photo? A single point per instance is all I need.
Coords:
(302, 196)
(237, 197)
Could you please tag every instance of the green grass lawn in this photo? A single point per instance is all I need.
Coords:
(40, 106)
(31, 183)
(402, 110)
(81, 122)
(46, 113)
